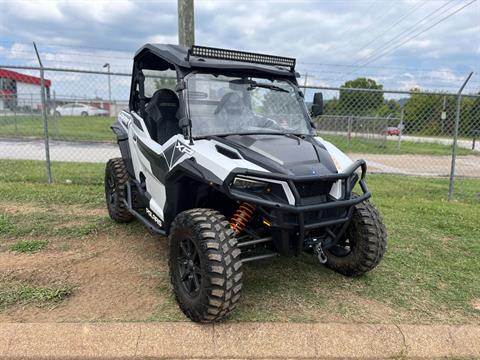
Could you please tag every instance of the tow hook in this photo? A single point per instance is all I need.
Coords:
(320, 254)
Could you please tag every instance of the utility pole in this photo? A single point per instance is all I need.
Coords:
(186, 27)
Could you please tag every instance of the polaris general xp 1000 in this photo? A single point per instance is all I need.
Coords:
(224, 159)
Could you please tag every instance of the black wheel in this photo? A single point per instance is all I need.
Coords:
(84, 114)
(57, 113)
(205, 265)
(116, 177)
(363, 245)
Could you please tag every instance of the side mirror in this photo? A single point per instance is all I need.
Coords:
(184, 124)
(317, 106)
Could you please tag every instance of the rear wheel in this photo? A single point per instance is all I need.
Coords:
(57, 114)
(205, 265)
(116, 178)
(84, 114)
(363, 245)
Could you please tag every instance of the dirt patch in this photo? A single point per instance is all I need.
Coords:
(476, 304)
(29, 208)
(421, 165)
(14, 208)
(82, 211)
(70, 224)
(366, 310)
(115, 278)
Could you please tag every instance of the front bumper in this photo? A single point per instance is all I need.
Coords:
(302, 219)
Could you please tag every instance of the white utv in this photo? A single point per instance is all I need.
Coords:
(224, 159)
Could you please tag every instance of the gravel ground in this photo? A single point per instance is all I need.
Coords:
(421, 165)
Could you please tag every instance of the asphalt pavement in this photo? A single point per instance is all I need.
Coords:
(463, 143)
(73, 151)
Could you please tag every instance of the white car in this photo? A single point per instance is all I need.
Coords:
(80, 110)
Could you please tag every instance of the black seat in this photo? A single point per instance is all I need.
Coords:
(161, 118)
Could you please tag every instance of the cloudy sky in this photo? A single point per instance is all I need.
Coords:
(396, 42)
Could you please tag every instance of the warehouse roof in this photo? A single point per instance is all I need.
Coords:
(23, 78)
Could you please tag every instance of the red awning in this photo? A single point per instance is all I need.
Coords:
(27, 79)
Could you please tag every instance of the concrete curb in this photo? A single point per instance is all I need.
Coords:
(237, 340)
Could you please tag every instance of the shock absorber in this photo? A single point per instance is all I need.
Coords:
(241, 217)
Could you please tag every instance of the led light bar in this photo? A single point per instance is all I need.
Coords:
(234, 55)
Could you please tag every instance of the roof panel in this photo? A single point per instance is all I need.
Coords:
(178, 55)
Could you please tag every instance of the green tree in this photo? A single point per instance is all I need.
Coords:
(423, 114)
(469, 115)
(360, 103)
(330, 107)
(165, 83)
(474, 115)
(390, 108)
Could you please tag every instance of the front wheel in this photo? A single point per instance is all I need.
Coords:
(363, 244)
(84, 114)
(116, 178)
(205, 265)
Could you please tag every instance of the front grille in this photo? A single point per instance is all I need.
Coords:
(308, 189)
(311, 217)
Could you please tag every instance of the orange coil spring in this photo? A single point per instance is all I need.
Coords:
(241, 217)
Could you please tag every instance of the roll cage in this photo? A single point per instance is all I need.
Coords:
(184, 60)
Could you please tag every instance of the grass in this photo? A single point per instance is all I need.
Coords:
(29, 246)
(67, 173)
(23, 294)
(429, 273)
(378, 146)
(92, 128)
(41, 224)
(74, 183)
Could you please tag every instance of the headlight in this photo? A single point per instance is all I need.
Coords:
(241, 183)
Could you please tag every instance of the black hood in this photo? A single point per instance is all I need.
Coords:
(287, 154)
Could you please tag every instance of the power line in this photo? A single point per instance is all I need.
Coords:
(67, 62)
(128, 58)
(55, 48)
(398, 78)
(69, 46)
(413, 28)
(351, 26)
(415, 8)
(369, 59)
(418, 34)
(416, 69)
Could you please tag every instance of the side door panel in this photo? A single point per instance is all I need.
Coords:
(155, 161)
(149, 161)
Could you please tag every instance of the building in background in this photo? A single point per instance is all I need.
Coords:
(20, 91)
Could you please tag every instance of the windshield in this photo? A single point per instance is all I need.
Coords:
(222, 105)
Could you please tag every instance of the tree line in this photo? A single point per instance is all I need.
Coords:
(422, 112)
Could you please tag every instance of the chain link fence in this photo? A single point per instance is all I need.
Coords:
(408, 133)
(397, 132)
